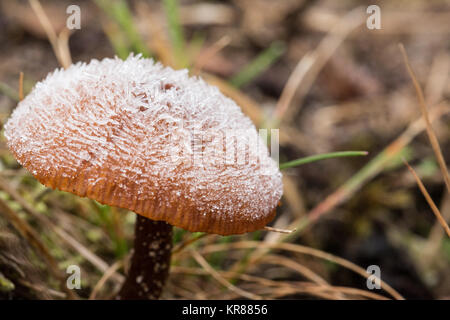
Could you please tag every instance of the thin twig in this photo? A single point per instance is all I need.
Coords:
(430, 201)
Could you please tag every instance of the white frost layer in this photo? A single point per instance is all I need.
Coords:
(122, 114)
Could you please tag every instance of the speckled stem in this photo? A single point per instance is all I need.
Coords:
(150, 262)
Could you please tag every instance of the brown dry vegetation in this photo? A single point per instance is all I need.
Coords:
(330, 84)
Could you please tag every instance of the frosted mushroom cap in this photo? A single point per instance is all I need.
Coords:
(140, 136)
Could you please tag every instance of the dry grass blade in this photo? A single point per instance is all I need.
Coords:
(303, 250)
(430, 201)
(280, 292)
(291, 264)
(432, 247)
(297, 76)
(157, 36)
(436, 84)
(205, 265)
(72, 242)
(312, 63)
(228, 274)
(294, 198)
(262, 286)
(21, 86)
(279, 230)
(51, 34)
(319, 290)
(210, 53)
(187, 242)
(51, 292)
(423, 108)
(106, 276)
(369, 171)
(351, 291)
(63, 45)
(32, 237)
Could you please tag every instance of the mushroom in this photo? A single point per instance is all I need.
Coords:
(137, 135)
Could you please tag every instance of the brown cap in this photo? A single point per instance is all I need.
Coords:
(140, 136)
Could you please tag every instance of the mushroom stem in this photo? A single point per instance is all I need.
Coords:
(150, 262)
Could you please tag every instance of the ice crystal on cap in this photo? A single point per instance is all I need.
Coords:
(106, 129)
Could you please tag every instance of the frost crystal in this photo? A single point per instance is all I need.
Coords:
(137, 135)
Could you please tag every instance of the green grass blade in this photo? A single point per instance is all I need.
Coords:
(118, 40)
(9, 92)
(299, 162)
(119, 11)
(171, 8)
(263, 61)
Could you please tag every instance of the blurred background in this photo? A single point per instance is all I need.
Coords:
(312, 68)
